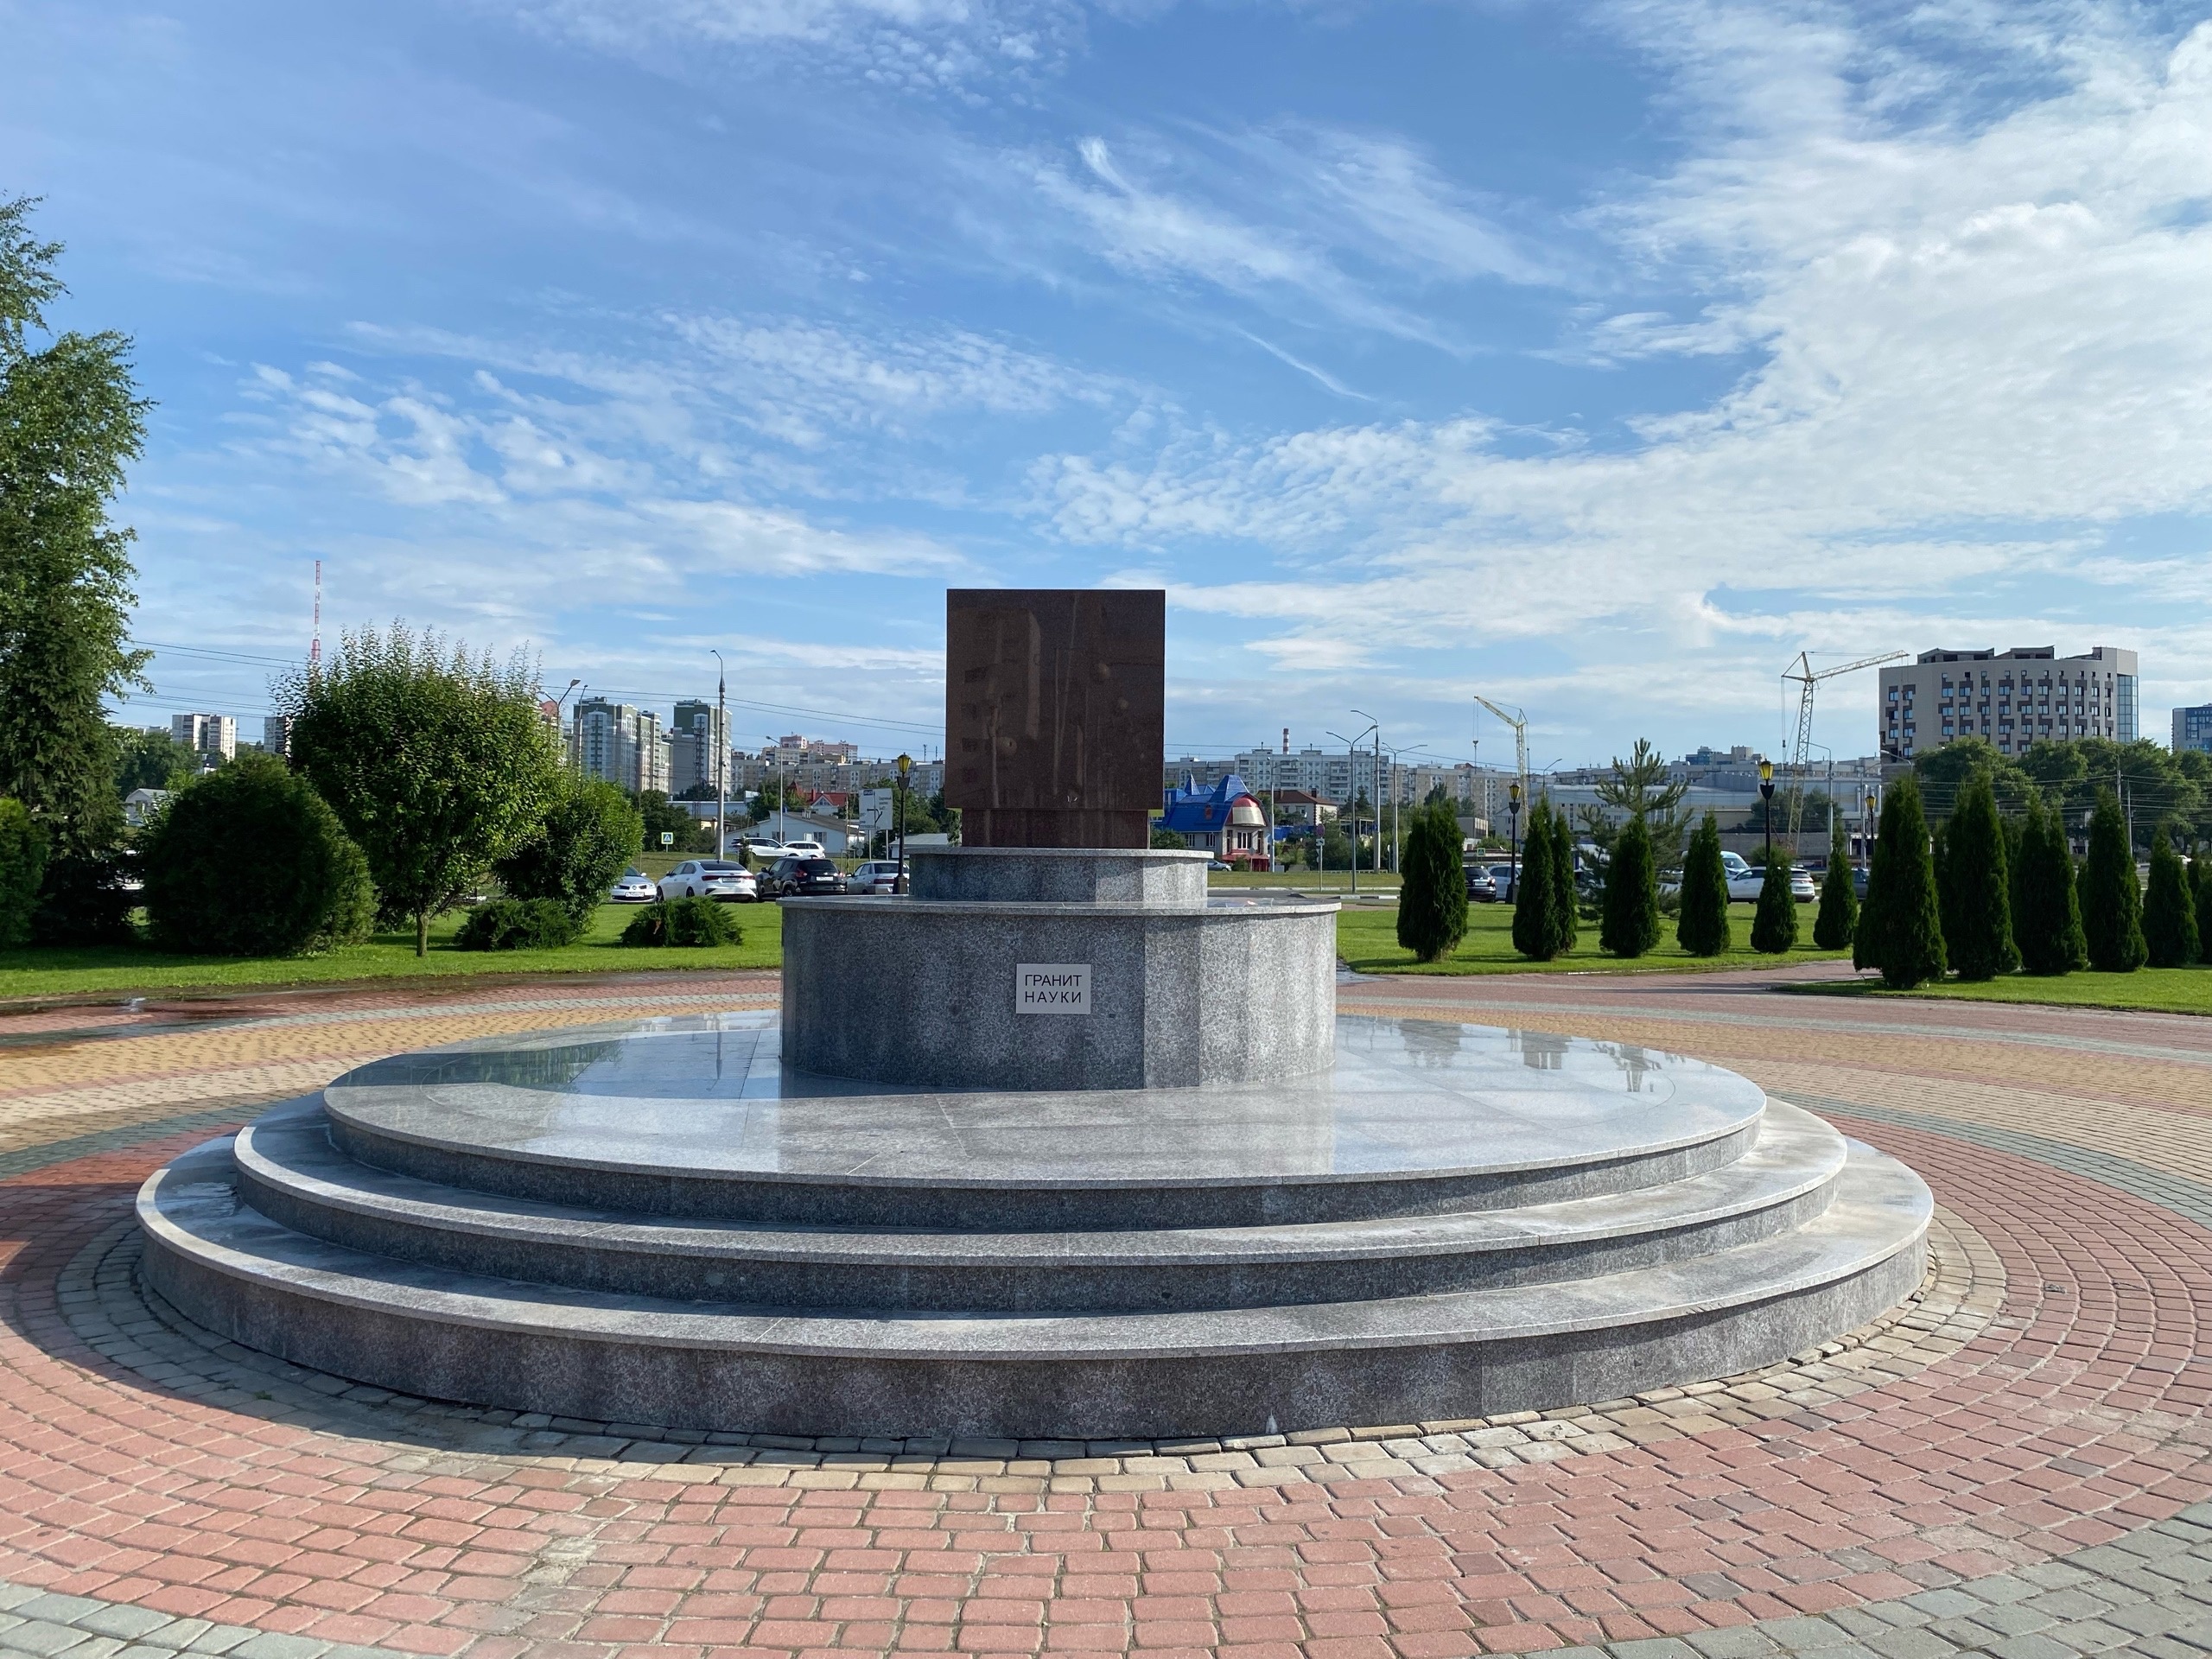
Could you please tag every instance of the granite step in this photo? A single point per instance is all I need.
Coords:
(606, 1354)
(291, 1170)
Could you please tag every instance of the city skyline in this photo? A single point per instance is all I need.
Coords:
(1584, 357)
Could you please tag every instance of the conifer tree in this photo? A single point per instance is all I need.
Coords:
(2200, 866)
(1977, 905)
(1630, 927)
(2170, 934)
(1774, 924)
(2047, 926)
(1433, 903)
(1702, 928)
(1567, 919)
(1535, 931)
(1900, 932)
(2112, 900)
(1838, 918)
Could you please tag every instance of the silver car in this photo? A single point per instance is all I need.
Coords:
(877, 875)
(633, 887)
(710, 878)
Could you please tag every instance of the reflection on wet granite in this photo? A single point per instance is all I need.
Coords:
(710, 1092)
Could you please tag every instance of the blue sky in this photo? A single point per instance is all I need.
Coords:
(1595, 357)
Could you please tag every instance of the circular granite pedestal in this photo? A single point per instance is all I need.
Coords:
(660, 1223)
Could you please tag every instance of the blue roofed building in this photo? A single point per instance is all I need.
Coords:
(1222, 818)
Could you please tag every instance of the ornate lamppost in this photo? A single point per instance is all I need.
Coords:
(1513, 840)
(898, 820)
(1766, 794)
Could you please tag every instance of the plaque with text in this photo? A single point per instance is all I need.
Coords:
(1051, 988)
(1054, 712)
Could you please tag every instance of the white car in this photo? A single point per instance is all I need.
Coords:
(633, 887)
(877, 875)
(710, 878)
(1744, 880)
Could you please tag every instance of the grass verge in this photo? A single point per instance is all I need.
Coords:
(2147, 990)
(1368, 941)
(129, 970)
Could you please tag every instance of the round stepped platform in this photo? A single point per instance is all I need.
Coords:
(659, 1222)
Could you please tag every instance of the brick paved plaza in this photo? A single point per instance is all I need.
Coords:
(2015, 1461)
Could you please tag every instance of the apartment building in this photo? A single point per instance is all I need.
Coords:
(697, 736)
(277, 735)
(211, 736)
(2010, 697)
(618, 743)
(2193, 728)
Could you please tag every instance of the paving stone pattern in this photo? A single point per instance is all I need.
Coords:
(2008, 1463)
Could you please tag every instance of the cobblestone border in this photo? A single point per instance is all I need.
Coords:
(101, 1296)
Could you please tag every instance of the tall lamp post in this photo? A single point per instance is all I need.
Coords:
(1766, 794)
(898, 820)
(1513, 840)
(722, 756)
(557, 729)
(1351, 748)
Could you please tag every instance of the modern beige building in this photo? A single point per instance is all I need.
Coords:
(2009, 697)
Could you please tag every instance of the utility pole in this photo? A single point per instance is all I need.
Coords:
(722, 758)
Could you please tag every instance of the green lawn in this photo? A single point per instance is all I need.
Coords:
(1368, 940)
(2153, 991)
(121, 968)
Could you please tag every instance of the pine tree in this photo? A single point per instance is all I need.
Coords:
(1536, 930)
(1774, 924)
(1630, 927)
(1900, 932)
(1977, 907)
(2170, 933)
(1839, 913)
(1703, 929)
(1433, 903)
(2047, 922)
(2112, 900)
(1566, 917)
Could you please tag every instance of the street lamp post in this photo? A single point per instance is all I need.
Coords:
(898, 820)
(1766, 794)
(721, 757)
(1513, 842)
(1351, 750)
(560, 703)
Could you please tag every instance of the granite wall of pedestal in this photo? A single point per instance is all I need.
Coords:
(912, 992)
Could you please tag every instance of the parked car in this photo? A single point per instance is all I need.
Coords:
(796, 878)
(710, 878)
(1745, 880)
(1502, 878)
(1482, 886)
(805, 847)
(633, 887)
(877, 875)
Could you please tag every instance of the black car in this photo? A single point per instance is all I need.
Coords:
(791, 878)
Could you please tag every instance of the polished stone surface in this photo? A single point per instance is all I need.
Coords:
(1154, 879)
(709, 1093)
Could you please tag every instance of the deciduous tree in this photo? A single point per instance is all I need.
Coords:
(437, 762)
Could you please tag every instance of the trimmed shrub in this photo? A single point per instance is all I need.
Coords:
(1535, 906)
(590, 834)
(1975, 889)
(2170, 934)
(519, 924)
(1630, 927)
(84, 900)
(1566, 913)
(1433, 904)
(1774, 924)
(1837, 919)
(1900, 932)
(694, 922)
(22, 866)
(1703, 929)
(250, 862)
(2047, 925)
(2112, 901)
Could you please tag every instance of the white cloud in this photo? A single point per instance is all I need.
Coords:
(1981, 333)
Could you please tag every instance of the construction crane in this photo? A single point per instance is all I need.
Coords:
(1519, 721)
(1807, 677)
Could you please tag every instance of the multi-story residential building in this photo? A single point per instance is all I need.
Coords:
(215, 736)
(2012, 698)
(2193, 728)
(698, 734)
(620, 744)
(277, 735)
